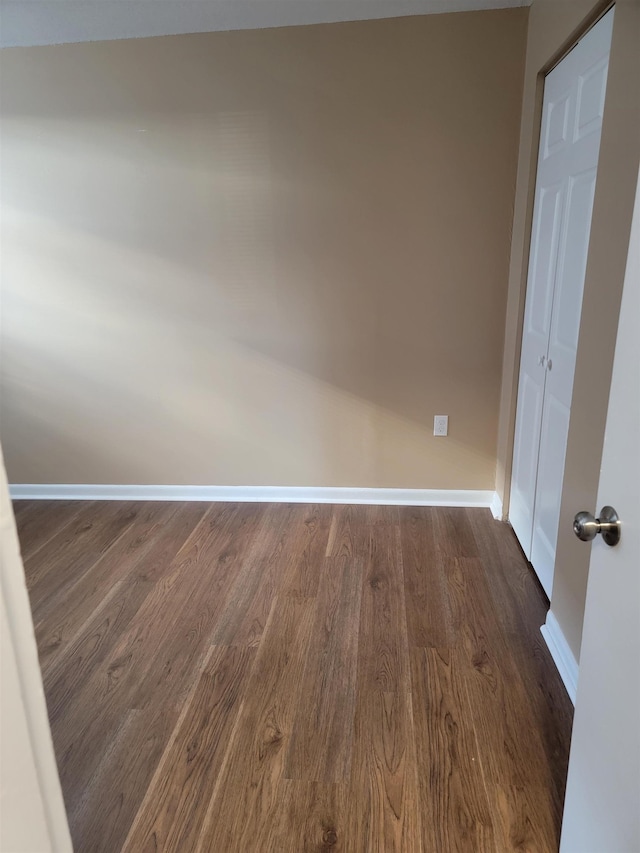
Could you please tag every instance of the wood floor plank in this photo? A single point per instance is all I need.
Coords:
(157, 652)
(383, 662)
(104, 787)
(428, 618)
(39, 521)
(516, 763)
(383, 795)
(19, 506)
(471, 610)
(75, 604)
(170, 634)
(76, 548)
(497, 680)
(520, 607)
(384, 814)
(176, 801)
(303, 572)
(322, 737)
(455, 808)
(520, 601)
(453, 533)
(350, 532)
(287, 535)
(211, 561)
(69, 666)
(106, 806)
(70, 683)
(247, 790)
(307, 816)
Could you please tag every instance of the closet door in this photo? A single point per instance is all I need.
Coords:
(567, 162)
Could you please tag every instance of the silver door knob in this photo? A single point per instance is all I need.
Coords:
(586, 527)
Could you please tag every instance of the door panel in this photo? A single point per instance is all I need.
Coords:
(543, 267)
(556, 132)
(566, 315)
(603, 788)
(591, 92)
(553, 444)
(545, 240)
(565, 184)
(525, 462)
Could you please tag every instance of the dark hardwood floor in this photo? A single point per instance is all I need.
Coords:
(260, 677)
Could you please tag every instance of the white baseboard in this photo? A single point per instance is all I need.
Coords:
(561, 654)
(496, 507)
(275, 494)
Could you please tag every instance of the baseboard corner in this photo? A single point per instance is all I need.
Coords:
(561, 653)
(496, 507)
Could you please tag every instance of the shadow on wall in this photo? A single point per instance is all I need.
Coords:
(282, 292)
(98, 378)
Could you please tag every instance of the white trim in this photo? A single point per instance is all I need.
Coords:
(273, 494)
(496, 507)
(561, 654)
(26, 697)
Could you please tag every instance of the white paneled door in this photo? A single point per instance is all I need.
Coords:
(573, 107)
(602, 805)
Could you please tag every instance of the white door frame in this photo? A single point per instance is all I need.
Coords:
(32, 813)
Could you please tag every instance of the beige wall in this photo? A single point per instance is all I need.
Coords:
(262, 257)
(554, 25)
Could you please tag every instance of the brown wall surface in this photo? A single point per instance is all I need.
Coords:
(554, 25)
(262, 257)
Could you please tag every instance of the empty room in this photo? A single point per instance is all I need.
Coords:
(320, 426)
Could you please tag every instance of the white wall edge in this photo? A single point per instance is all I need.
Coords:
(23, 648)
(561, 653)
(496, 507)
(272, 494)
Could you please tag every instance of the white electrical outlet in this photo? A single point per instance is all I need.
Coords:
(441, 424)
